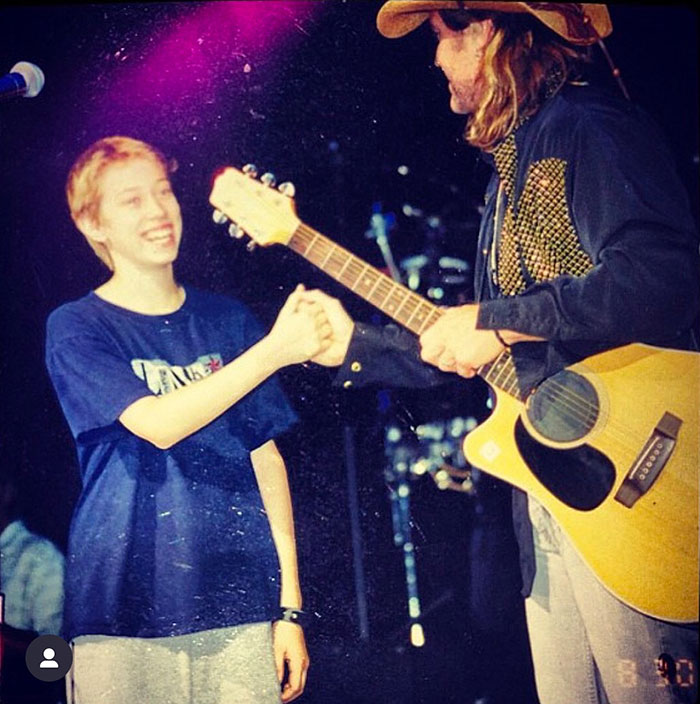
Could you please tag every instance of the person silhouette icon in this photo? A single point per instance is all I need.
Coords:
(48, 658)
(48, 661)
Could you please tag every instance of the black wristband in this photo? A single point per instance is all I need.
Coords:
(292, 615)
(500, 339)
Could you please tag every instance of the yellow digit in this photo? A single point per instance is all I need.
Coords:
(662, 672)
(690, 679)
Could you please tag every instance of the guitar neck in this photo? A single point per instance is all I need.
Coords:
(395, 300)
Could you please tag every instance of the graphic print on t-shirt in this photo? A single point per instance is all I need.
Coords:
(162, 378)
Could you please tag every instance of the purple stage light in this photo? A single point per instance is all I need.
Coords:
(197, 56)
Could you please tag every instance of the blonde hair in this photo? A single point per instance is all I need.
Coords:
(83, 183)
(524, 63)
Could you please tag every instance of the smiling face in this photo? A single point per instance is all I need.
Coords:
(459, 54)
(138, 220)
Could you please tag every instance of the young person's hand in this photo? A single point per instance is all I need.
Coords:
(290, 648)
(341, 324)
(301, 330)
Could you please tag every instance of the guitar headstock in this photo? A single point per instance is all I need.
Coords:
(254, 207)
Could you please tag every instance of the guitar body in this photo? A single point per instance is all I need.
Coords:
(645, 554)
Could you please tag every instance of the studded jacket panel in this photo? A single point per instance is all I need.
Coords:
(586, 238)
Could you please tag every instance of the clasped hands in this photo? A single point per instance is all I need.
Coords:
(453, 343)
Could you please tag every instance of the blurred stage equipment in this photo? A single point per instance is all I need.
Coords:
(356, 533)
(24, 80)
(380, 224)
(442, 278)
(435, 449)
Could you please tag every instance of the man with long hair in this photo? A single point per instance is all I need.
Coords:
(586, 243)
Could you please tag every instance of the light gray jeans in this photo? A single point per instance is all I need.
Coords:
(219, 666)
(590, 648)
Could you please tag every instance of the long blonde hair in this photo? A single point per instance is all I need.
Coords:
(524, 63)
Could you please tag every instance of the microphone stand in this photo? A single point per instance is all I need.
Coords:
(398, 472)
(379, 226)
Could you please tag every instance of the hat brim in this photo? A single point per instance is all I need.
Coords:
(397, 18)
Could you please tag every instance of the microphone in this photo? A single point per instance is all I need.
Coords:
(24, 79)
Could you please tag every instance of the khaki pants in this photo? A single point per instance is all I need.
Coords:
(222, 666)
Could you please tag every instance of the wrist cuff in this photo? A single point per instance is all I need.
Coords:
(292, 616)
(499, 337)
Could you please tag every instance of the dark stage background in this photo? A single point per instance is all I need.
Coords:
(361, 124)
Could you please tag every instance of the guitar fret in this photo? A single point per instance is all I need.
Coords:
(342, 270)
(313, 242)
(374, 285)
(352, 274)
(512, 380)
(401, 305)
(336, 261)
(497, 371)
(502, 374)
(426, 320)
(415, 310)
(327, 257)
(362, 273)
(391, 292)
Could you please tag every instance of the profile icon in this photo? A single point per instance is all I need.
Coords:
(48, 661)
(49, 658)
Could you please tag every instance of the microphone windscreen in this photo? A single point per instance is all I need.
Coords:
(33, 77)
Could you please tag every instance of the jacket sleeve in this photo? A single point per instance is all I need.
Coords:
(386, 356)
(631, 214)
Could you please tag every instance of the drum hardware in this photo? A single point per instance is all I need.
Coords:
(431, 448)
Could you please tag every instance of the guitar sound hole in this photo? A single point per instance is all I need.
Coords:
(581, 477)
(564, 407)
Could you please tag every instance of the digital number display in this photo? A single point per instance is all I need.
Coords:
(680, 672)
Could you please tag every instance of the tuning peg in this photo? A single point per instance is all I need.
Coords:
(250, 246)
(218, 217)
(287, 189)
(250, 170)
(235, 230)
(268, 179)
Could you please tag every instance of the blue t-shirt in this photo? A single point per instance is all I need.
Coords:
(163, 542)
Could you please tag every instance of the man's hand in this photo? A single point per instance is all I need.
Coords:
(290, 648)
(301, 330)
(340, 322)
(453, 344)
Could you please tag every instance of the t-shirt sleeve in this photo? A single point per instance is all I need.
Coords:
(93, 382)
(266, 410)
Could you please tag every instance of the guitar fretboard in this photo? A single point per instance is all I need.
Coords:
(395, 300)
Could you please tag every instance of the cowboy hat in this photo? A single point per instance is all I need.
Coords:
(578, 23)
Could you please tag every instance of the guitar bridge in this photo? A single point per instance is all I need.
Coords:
(650, 461)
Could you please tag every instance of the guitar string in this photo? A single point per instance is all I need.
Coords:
(354, 267)
(388, 288)
(381, 283)
(557, 393)
(387, 291)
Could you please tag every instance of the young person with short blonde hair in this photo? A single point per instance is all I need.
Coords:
(181, 550)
